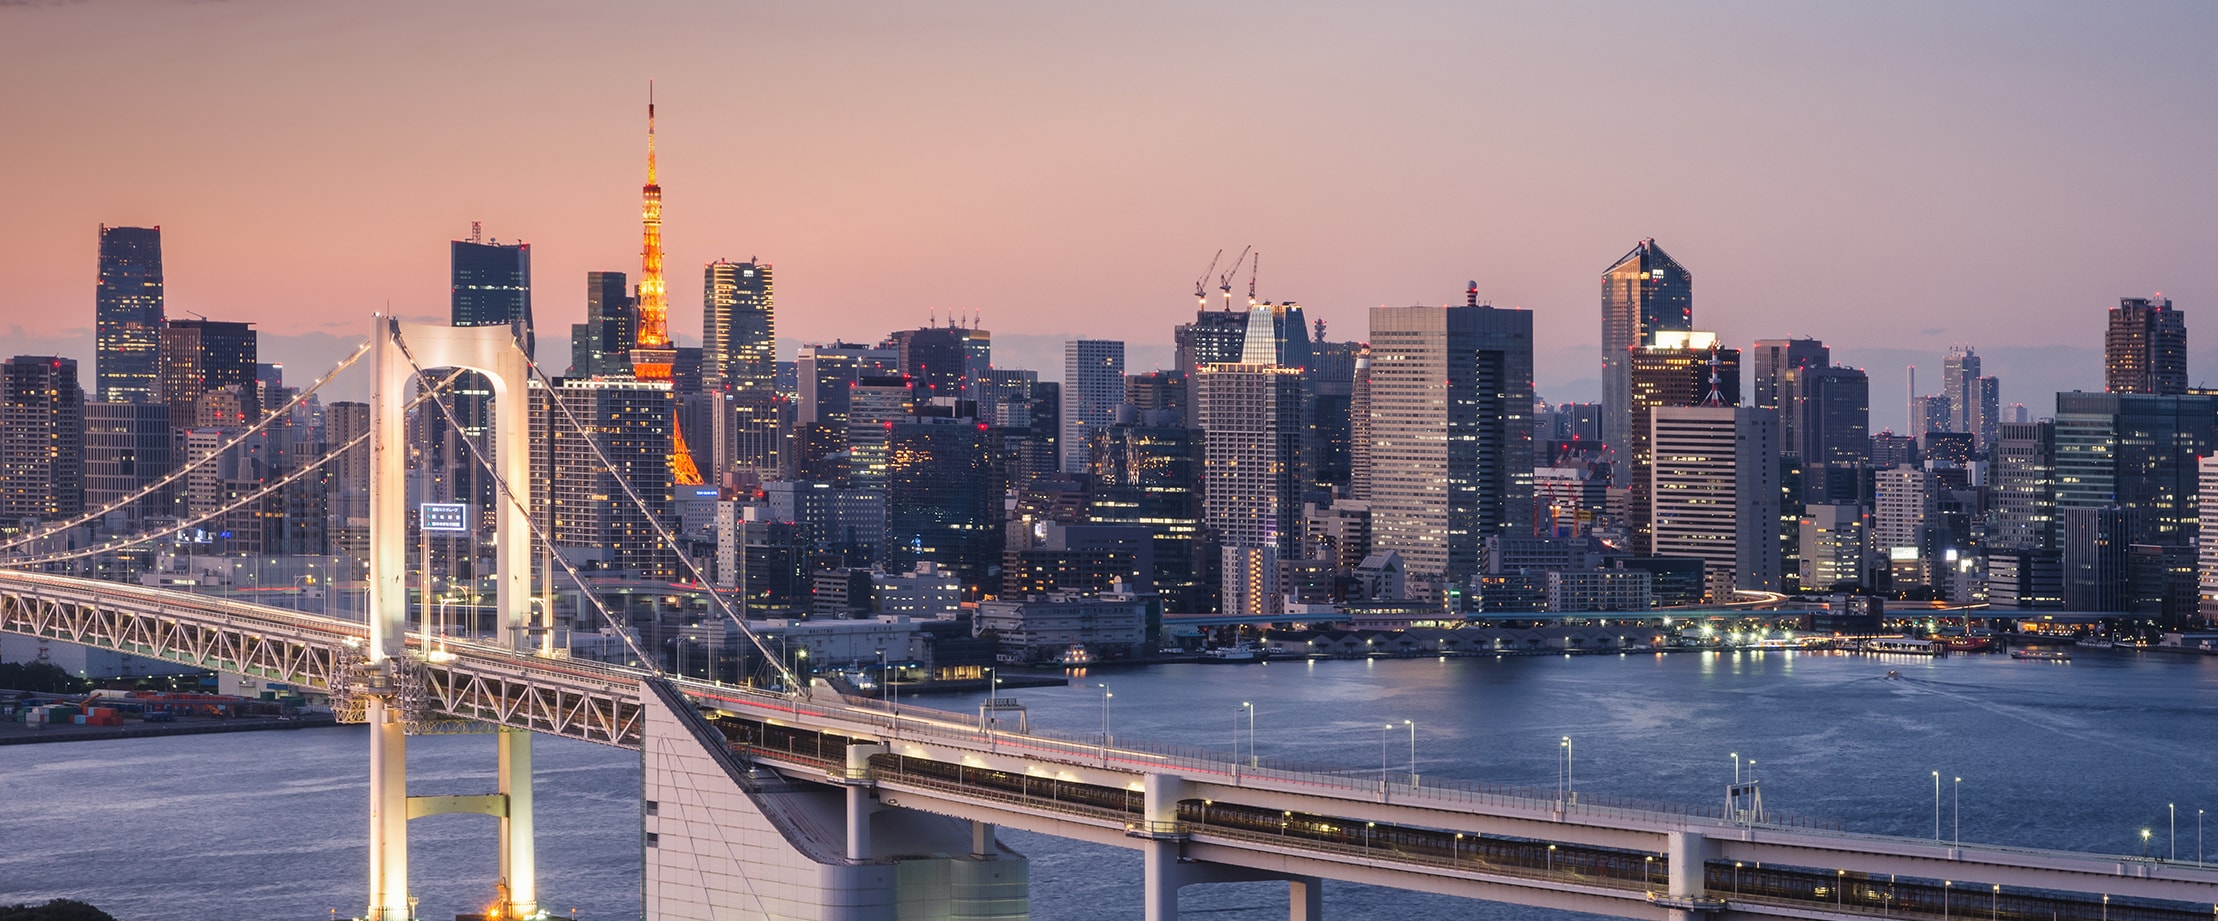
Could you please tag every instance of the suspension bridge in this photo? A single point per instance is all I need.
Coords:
(794, 801)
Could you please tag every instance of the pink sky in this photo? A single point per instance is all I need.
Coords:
(1877, 175)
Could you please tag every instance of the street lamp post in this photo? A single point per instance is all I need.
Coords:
(2173, 808)
(1648, 872)
(1383, 730)
(1567, 794)
(1956, 810)
(1105, 695)
(1551, 859)
(1840, 880)
(1948, 884)
(1736, 767)
(1253, 760)
(1412, 724)
(1994, 907)
(1936, 805)
(2144, 844)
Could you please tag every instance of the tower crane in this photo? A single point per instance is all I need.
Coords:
(1201, 291)
(1253, 267)
(1224, 282)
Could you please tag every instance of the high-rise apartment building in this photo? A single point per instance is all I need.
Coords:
(2024, 558)
(1251, 419)
(739, 330)
(2145, 347)
(1905, 507)
(2207, 555)
(1716, 492)
(601, 346)
(128, 314)
(1828, 429)
(1678, 368)
(1643, 293)
(201, 356)
(42, 438)
(1093, 388)
(592, 519)
(1451, 452)
(827, 372)
(492, 286)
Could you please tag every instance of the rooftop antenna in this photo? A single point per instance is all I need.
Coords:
(1716, 396)
(477, 231)
(1471, 294)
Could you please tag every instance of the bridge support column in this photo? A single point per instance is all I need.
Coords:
(981, 840)
(1689, 855)
(859, 804)
(1160, 794)
(519, 858)
(388, 814)
(1305, 899)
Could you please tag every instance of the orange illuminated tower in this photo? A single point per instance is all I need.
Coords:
(653, 355)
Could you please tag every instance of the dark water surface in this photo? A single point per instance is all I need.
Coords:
(2079, 755)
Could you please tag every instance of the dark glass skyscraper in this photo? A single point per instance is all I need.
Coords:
(601, 346)
(198, 356)
(1642, 293)
(492, 286)
(127, 314)
(2145, 348)
(739, 330)
(42, 438)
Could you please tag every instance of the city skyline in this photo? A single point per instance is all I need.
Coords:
(1922, 151)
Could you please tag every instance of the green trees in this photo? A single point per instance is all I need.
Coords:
(56, 910)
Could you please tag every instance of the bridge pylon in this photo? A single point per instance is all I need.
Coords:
(397, 350)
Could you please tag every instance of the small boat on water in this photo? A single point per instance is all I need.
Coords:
(2093, 642)
(1901, 646)
(1237, 653)
(1962, 643)
(2043, 655)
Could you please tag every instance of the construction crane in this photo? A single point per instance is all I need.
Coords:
(1224, 282)
(1253, 268)
(1201, 290)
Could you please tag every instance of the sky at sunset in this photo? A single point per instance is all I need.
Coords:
(1893, 178)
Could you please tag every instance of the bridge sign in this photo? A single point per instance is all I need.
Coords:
(445, 516)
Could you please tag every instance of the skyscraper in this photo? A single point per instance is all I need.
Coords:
(591, 517)
(492, 286)
(1973, 402)
(1716, 495)
(2024, 555)
(943, 500)
(201, 356)
(1451, 453)
(127, 447)
(1679, 368)
(1770, 361)
(602, 345)
(1643, 293)
(42, 438)
(2145, 348)
(1093, 388)
(739, 329)
(127, 314)
(948, 363)
(1251, 419)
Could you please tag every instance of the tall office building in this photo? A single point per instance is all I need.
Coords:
(2138, 452)
(1905, 513)
(1770, 363)
(1828, 428)
(1645, 292)
(1717, 494)
(2145, 347)
(825, 374)
(127, 314)
(739, 330)
(1679, 368)
(1973, 402)
(42, 439)
(1149, 475)
(2024, 561)
(492, 286)
(948, 363)
(1450, 429)
(128, 446)
(943, 501)
(1251, 419)
(1359, 428)
(201, 356)
(2207, 556)
(601, 346)
(1093, 388)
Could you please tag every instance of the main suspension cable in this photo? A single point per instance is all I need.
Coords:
(586, 591)
(669, 539)
(330, 454)
(180, 472)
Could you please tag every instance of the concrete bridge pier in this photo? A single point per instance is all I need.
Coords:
(860, 805)
(1689, 854)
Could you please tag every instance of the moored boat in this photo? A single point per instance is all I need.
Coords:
(1237, 653)
(2044, 655)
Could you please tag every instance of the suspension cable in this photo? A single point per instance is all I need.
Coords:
(553, 396)
(180, 473)
(651, 663)
(330, 454)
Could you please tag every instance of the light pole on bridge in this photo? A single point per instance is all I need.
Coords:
(1936, 805)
